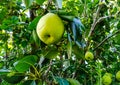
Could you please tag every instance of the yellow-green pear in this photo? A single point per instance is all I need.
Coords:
(50, 28)
(118, 75)
(89, 55)
(106, 79)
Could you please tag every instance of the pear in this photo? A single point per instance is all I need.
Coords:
(118, 75)
(89, 55)
(50, 28)
(107, 79)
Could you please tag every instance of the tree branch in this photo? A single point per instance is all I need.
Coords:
(102, 18)
(106, 39)
(94, 22)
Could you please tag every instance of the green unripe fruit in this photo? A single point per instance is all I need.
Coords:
(118, 75)
(89, 55)
(106, 79)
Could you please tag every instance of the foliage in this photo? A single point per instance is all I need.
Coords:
(90, 25)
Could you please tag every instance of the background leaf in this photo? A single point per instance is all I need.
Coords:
(59, 3)
(62, 81)
(3, 71)
(40, 2)
(33, 24)
(51, 53)
(25, 63)
(28, 2)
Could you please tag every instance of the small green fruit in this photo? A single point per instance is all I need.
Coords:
(106, 79)
(118, 75)
(89, 55)
(108, 74)
(50, 28)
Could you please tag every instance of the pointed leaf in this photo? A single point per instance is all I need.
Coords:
(117, 39)
(79, 52)
(1, 64)
(118, 25)
(4, 71)
(29, 82)
(51, 54)
(35, 38)
(69, 37)
(59, 3)
(79, 24)
(73, 81)
(62, 81)
(74, 31)
(33, 24)
(69, 49)
(25, 63)
(27, 2)
(12, 79)
(40, 2)
(67, 18)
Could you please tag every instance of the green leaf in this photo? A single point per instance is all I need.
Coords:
(117, 39)
(59, 3)
(118, 25)
(3, 71)
(77, 28)
(13, 79)
(67, 18)
(40, 2)
(73, 81)
(33, 24)
(51, 54)
(74, 31)
(1, 64)
(79, 24)
(35, 38)
(29, 82)
(79, 52)
(62, 81)
(27, 2)
(69, 49)
(25, 63)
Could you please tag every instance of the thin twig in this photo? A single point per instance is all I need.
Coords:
(48, 69)
(106, 39)
(94, 23)
(102, 18)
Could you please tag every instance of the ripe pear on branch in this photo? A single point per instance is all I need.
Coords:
(50, 28)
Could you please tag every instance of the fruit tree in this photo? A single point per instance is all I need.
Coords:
(59, 42)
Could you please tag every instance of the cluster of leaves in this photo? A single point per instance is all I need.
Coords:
(24, 59)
